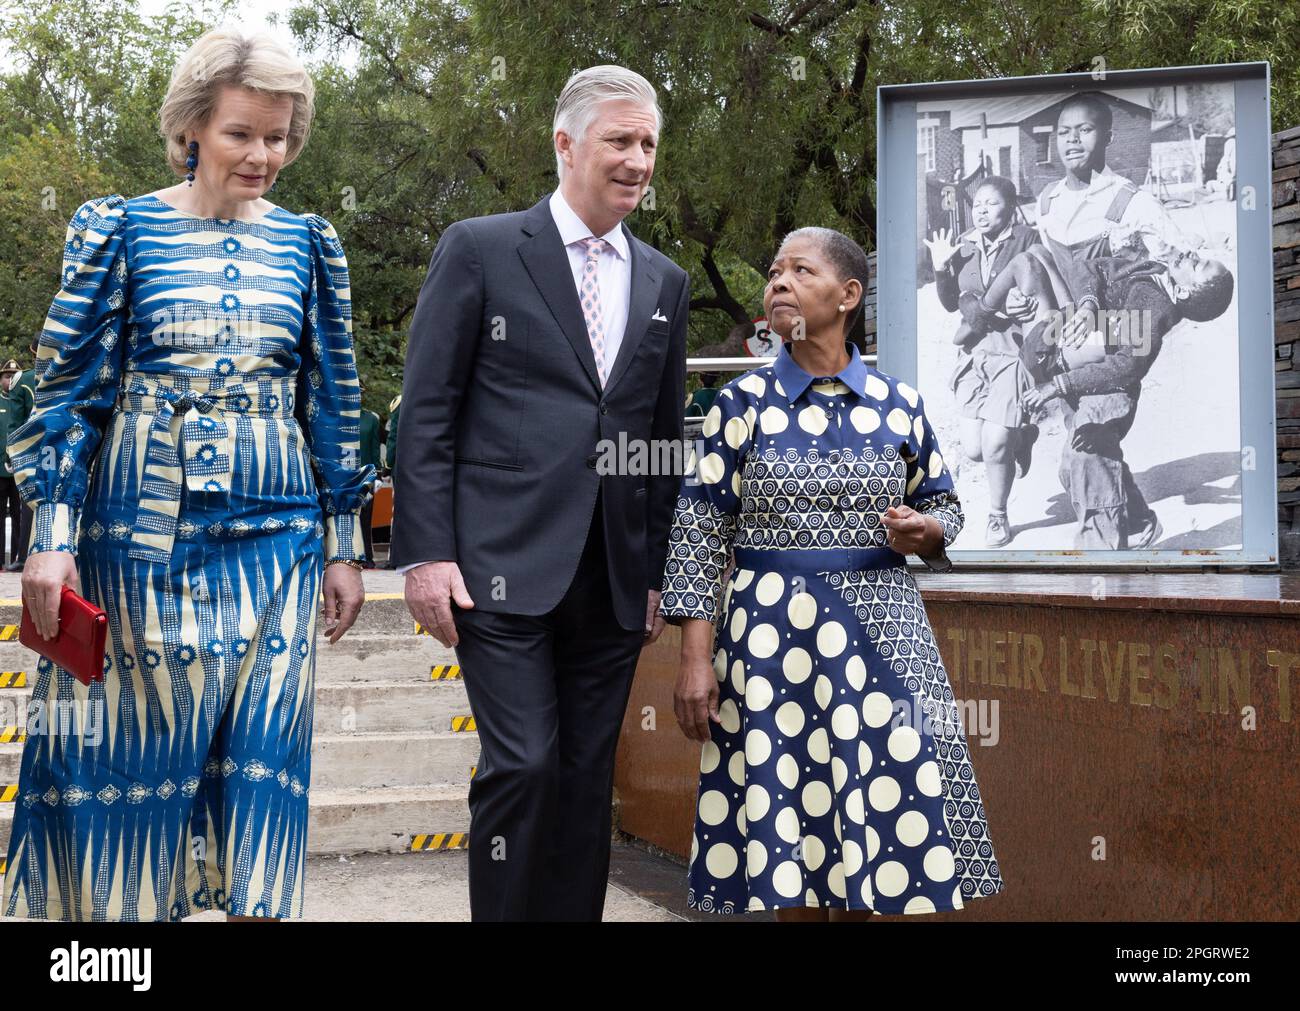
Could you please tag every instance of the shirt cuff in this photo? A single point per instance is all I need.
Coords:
(343, 537)
(54, 527)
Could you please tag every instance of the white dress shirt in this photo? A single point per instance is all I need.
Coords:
(1079, 215)
(613, 275)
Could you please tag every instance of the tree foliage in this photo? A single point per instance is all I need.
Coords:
(429, 112)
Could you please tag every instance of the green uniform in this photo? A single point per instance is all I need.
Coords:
(11, 416)
(24, 395)
(701, 401)
(391, 448)
(369, 438)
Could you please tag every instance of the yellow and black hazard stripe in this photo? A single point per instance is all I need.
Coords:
(8, 633)
(13, 679)
(440, 841)
(8, 793)
(444, 671)
(11, 735)
(3, 864)
(463, 725)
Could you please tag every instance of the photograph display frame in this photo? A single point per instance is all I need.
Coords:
(1192, 483)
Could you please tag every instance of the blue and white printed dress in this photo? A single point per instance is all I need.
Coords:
(839, 775)
(195, 442)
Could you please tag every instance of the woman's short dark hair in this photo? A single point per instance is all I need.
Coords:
(1005, 187)
(845, 255)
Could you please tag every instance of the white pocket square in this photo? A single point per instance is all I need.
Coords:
(660, 316)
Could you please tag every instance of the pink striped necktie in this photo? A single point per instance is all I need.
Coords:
(591, 311)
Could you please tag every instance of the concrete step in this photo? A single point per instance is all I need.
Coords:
(361, 820)
(369, 707)
(384, 821)
(382, 656)
(357, 760)
(366, 761)
(358, 656)
(344, 707)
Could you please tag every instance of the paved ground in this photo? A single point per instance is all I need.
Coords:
(418, 887)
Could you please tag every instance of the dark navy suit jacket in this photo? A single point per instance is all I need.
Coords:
(503, 416)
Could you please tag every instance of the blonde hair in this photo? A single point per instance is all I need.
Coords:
(257, 61)
(575, 109)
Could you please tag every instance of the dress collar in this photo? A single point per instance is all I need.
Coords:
(573, 230)
(989, 245)
(794, 380)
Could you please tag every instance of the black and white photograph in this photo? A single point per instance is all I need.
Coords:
(1076, 275)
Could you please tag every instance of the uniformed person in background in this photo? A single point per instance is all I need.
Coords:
(11, 503)
(390, 449)
(390, 460)
(369, 454)
(25, 399)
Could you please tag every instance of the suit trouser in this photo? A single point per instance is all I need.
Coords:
(11, 504)
(548, 693)
(26, 536)
(367, 538)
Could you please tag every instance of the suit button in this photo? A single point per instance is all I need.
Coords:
(604, 408)
(591, 461)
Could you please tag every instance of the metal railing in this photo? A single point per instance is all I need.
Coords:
(740, 364)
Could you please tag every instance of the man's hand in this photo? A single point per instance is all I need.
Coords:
(344, 594)
(654, 621)
(1079, 327)
(430, 589)
(1091, 437)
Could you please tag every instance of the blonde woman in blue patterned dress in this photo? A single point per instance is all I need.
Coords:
(192, 461)
(835, 780)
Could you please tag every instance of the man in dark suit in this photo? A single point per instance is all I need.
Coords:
(545, 343)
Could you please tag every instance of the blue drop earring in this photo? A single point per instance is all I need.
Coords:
(192, 161)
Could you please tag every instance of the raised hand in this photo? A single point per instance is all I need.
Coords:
(942, 249)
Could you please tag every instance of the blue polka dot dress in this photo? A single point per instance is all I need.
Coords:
(839, 775)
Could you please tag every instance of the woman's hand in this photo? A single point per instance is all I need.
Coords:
(44, 575)
(695, 699)
(1021, 307)
(344, 595)
(909, 531)
(941, 248)
(1039, 395)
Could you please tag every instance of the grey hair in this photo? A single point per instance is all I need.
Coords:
(846, 256)
(575, 109)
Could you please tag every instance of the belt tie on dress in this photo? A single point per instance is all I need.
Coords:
(189, 440)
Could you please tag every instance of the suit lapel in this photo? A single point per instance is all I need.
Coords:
(547, 263)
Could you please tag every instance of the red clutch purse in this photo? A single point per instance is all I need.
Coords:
(79, 646)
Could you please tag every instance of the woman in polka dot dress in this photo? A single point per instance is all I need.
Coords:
(835, 779)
